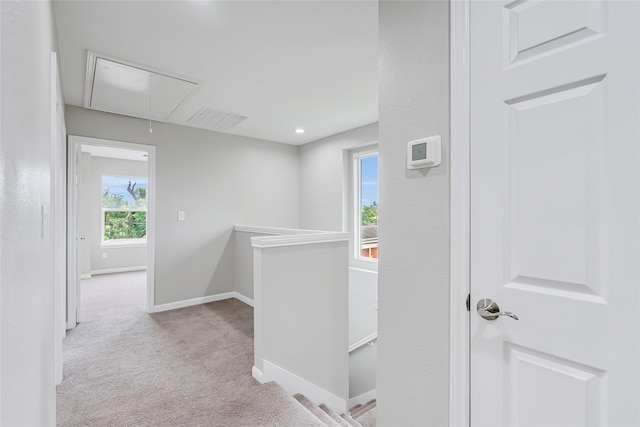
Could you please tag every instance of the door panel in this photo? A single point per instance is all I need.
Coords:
(573, 391)
(548, 223)
(555, 212)
(538, 27)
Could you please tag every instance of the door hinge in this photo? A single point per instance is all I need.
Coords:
(468, 302)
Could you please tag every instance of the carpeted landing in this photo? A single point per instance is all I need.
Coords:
(186, 367)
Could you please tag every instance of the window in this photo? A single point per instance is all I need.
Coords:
(124, 210)
(365, 205)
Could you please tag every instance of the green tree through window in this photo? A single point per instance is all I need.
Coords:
(125, 225)
(370, 214)
(124, 207)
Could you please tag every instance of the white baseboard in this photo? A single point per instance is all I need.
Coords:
(191, 302)
(258, 375)
(245, 299)
(294, 384)
(85, 276)
(118, 270)
(202, 300)
(362, 399)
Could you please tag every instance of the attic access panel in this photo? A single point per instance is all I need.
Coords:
(116, 87)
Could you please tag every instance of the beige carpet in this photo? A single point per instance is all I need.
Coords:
(186, 367)
(110, 295)
(368, 419)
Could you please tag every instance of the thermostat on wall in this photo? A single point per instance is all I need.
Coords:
(423, 153)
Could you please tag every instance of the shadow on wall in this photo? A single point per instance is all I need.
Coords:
(222, 275)
(192, 266)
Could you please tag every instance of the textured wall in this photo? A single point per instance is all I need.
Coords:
(413, 317)
(219, 180)
(27, 390)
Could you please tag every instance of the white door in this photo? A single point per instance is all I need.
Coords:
(73, 234)
(555, 212)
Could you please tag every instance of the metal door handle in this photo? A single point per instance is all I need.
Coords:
(488, 309)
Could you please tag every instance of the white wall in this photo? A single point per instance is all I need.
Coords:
(413, 316)
(363, 296)
(219, 180)
(243, 259)
(322, 178)
(27, 321)
(363, 321)
(303, 314)
(117, 257)
(362, 374)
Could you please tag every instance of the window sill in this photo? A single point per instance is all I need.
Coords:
(124, 243)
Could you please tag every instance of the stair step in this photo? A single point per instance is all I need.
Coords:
(268, 405)
(359, 410)
(315, 410)
(355, 408)
(368, 419)
(335, 417)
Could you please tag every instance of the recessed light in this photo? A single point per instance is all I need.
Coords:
(299, 130)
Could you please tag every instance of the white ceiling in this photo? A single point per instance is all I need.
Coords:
(283, 64)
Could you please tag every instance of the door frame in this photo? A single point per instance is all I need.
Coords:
(58, 213)
(460, 286)
(74, 143)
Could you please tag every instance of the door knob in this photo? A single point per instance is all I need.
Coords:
(488, 309)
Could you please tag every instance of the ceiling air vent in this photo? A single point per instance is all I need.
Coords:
(215, 119)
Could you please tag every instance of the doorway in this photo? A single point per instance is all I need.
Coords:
(111, 211)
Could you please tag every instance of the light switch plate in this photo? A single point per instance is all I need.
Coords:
(180, 215)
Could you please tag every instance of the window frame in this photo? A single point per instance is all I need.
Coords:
(121, 243)
(355, 208)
